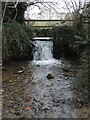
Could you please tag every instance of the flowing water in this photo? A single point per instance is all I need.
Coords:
(32, 94)
(42, 53)
(53, 98)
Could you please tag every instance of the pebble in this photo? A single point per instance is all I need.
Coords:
(16, 113)
(45, 108)
(50, 76)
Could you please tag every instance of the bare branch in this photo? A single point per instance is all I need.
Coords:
(16, 3)
(53, 8)
(4, 11)
(75, 4)
(67, 7)
(15, 14)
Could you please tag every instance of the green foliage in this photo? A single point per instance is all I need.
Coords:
(21, 7)
(80, 45)
(15, 40)
(82, 77)
(63, 35)
(70, 38)
(28, 30)
(81, 82)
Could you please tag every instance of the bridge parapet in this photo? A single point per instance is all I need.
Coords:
(48, 23)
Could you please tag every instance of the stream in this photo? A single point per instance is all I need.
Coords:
(40, 88)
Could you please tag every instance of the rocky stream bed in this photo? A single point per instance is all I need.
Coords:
(28, 92)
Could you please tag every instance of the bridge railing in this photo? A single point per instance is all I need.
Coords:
(47, 23)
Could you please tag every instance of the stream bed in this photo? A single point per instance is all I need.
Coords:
(31, 94)
(41, 88)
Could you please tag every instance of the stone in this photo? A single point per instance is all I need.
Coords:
(3, 68)
(45, 108)
(38, 65)
(50, 76)
(19, 72)
(66, 70)
(17, 113)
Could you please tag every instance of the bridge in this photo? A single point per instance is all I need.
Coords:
(47, 23)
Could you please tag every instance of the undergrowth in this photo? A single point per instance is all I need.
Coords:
(68, 37)
(15, 40)
(80, 84)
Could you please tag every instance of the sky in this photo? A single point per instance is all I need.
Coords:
(42, 12)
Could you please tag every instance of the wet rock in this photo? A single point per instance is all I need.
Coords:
(66, 75)
(16, 113)
(33, 82)
(56, 100)
(66, 70)
(10, 81)
(41, 103)
(50, 76)
(3, 68)
(45, 108)
(11, 104)
(63, 102)
(35, 100)
(66, 78)
(56, 104)
(19, 72)
(48, 85)
(38, 65)
(1, 90)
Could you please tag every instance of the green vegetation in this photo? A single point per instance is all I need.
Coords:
(68, 38)
(80, 85)
(63, 35)
(16, 36)
(16, 40)
(63, 38)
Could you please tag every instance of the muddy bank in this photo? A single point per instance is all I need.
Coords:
(30, 94)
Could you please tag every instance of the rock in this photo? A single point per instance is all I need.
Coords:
(66, 70)
(66, 74)
(19, 72)
(63, 102)
(3, 68)
(35, 100)
(45, 108)
(10, 81)
(50, 76)
(48, 85)
(38, 65)
(1, 90)
(16, 113)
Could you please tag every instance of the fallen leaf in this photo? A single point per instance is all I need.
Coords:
(27, 108)
(28, 101)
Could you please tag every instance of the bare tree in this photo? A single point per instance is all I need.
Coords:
(7, 4)
(45, 6)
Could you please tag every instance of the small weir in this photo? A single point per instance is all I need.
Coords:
(43, 51)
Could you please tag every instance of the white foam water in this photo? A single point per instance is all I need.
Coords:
(42, 53)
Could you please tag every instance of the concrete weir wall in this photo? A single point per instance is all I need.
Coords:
(43, 38)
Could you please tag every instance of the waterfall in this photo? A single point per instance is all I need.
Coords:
(43, 53)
